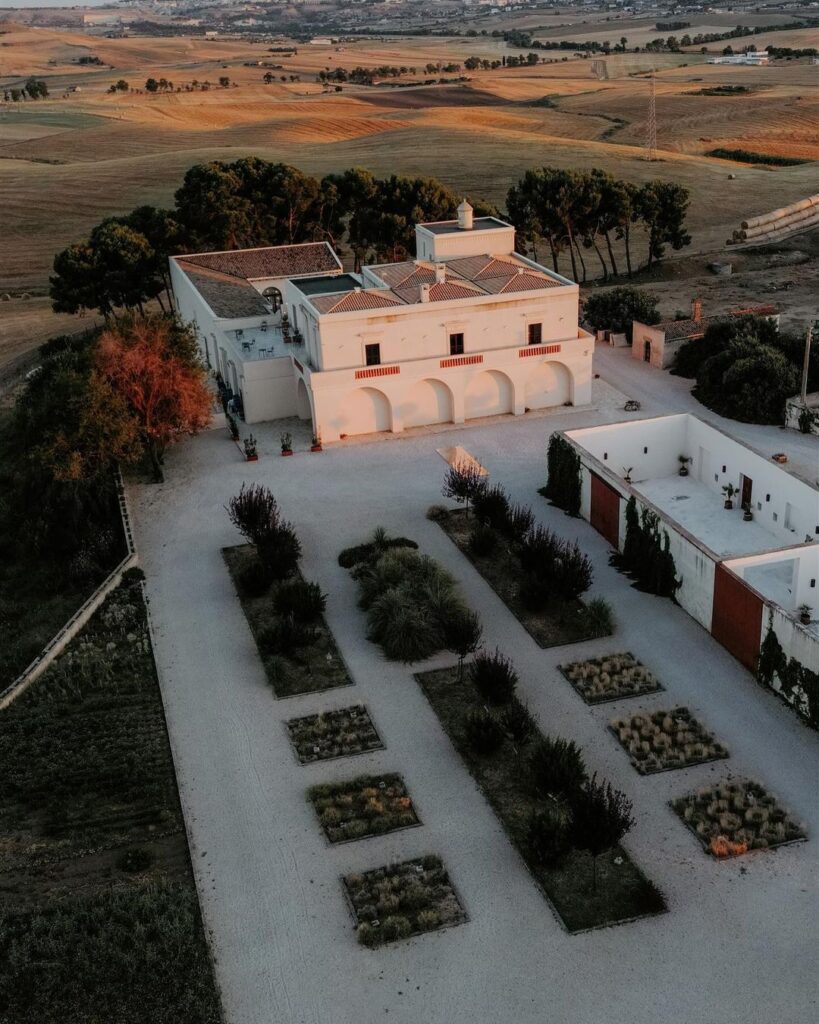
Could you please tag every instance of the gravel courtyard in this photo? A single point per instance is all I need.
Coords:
(739, 943)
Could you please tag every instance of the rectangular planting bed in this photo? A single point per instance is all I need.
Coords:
(658, 741)
(556, 623)
(370, 805)
(310, 662)
(401, 900)
(621, 893)
(611, 677)
(331, 734)
(736, 816)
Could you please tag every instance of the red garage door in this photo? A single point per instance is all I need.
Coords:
(737, 617)
(605, 510)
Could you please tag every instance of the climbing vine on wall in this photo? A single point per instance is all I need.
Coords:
(789, 677)
(646, 554)
(563, 485)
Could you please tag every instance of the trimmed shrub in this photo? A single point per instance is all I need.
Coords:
(482, 540)
(280, 552)
(255, 579)
(303, 600)
(601, 816)
(557, 768)
(563, 483)
(548, 833)
(494, 677)
(518, 721)
(483, 731)
(284, 636)
(491, 506)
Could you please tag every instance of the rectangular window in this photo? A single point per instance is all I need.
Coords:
(373, 354)
(456, 344)
(535, 334)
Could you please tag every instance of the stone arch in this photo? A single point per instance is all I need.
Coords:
(548, 384)
(427, 401)
(365, 411)
(489, 393)
(304, 407)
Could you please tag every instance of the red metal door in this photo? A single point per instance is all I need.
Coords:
(605, 510)
(736, 620)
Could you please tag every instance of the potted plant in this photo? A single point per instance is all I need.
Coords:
(251, 454)
(747, 514)
(315, 445)
(804, 614)
(627, 474)
(287, 444)
(729, 491)
(233, 427)
(684, 460)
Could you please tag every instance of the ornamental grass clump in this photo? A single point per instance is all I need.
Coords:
(301, 599)
(736, 816)
(660, 740)
(484, 732)
(548, 834)
(518, 721)
(494, 676)
(610, 677)
(413, 606)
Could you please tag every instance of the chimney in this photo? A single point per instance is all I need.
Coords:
(696, 310)
(424, 293)
(440, 273)
(465, 216)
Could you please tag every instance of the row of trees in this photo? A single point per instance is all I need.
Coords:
(34, 89)
(583, 211)
(123, 262)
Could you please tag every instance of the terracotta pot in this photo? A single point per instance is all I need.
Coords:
(288, 451)
(316, 448)
(251, 458)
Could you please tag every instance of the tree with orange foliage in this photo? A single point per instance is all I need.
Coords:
(151, 363)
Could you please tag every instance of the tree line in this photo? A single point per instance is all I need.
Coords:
(123, 263)
(579, 212)
(33, 89)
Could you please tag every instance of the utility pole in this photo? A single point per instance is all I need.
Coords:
(651, 126)
(806, 364)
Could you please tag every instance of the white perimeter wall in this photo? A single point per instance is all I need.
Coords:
(782, 503)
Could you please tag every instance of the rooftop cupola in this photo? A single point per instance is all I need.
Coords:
(465, 216)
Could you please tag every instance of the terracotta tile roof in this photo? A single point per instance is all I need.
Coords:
(270, 261)
(347, 302)
(525, 282)
(229, 297)
(441, 292)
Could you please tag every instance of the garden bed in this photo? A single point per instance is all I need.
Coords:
(370, 805)
(622, 894)
(611, 677)
(309, 667)
(736, 816)
(402, 900)
(331, 734)
(556, 623)
(659, 741)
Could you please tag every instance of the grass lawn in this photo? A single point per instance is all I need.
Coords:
(367, 806)
(559, 622)
(401, 900)
(100, 918)
(309, 669)
(623, 891)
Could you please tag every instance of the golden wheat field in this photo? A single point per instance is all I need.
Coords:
(68, 161)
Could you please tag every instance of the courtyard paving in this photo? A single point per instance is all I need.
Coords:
(739, 943)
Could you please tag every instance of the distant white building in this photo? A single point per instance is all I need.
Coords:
(469, 328)
(754, 57)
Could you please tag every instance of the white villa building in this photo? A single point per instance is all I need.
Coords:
(470, 328)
